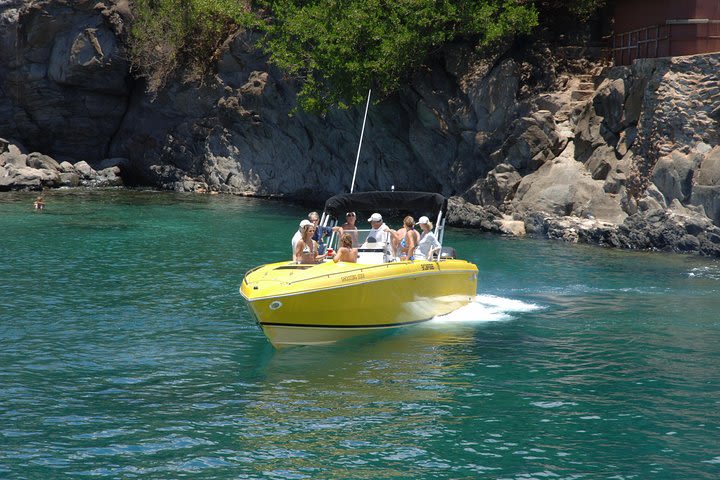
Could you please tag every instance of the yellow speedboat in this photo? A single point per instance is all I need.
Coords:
(315, 304)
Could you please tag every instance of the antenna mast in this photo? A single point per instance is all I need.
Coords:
(362, 132)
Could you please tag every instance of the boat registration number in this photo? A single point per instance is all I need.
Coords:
(352, 278)
(428, 266)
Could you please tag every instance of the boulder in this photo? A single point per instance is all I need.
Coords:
(652, 199)
(601, 162)
(40, 161)
(509, 226)
(22, 178)
(533, 140)
(85, 170)
(493, 97)
(563, 187)
(13, 158)
(706, 185)
(677, 229)
(498, 186)
(461, 213)
(69, 179)
(609, 102)
(708, 169)
(108, 177)
(66, 80)
(626, 140)
(709, 198)
(673, 175)
(67, 167)
(571, 229)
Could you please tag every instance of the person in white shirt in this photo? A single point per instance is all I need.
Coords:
(298, 234)
(428, 243)
(378, 230)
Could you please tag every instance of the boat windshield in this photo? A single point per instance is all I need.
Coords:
(365, 238)
(373, 246)
(390, 205)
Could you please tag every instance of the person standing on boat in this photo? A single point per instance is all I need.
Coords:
(428, 244)
(346, 253)
(349, 227)
(378, 230)
(306, 249)
(298, 234)
(396, 237)
(321, 231)
(408, 240)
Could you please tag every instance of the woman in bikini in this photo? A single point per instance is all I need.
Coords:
(306, 249)
(408, 239)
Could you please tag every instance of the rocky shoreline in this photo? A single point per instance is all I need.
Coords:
(547, 142)
(34, 171)
(675, 229)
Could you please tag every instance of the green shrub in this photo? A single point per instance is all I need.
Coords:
(340, 48)
(172, 36)
(337, 48)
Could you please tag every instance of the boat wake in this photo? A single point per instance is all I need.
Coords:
(487, 308)
(709, 272)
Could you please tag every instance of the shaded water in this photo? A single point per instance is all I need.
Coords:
(126, 352)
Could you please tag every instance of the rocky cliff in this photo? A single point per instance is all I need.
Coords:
(625, 156)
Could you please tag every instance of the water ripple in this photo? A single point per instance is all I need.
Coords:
(127, 353)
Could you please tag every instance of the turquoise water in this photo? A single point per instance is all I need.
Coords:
(126, 352)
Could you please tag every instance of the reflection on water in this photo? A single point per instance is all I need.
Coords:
(363, 403)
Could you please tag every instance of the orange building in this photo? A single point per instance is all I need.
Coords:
(665, 28)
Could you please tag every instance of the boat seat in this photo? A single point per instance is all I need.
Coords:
(377, 252)
(445, 253)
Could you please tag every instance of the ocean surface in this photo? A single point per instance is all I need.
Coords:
(126, 352)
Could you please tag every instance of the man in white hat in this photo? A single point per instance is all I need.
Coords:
(378, 229)
(298, 235)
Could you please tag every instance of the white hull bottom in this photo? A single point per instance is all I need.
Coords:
(284, 335)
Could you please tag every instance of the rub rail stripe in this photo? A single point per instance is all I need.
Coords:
(310, 325)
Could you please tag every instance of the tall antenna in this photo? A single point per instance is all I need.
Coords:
(352, 185)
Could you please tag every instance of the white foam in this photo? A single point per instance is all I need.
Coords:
(711, 272)
(487, 308)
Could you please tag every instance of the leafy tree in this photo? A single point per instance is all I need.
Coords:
(340, 48)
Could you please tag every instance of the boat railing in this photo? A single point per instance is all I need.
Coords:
(249, 272)
(360, 237)
(344, 273)
(385, 251)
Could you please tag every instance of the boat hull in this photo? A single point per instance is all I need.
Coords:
(344, 300)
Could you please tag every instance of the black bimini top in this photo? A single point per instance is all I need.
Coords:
(417, 203)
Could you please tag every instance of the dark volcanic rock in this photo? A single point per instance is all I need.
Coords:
(464, 214)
